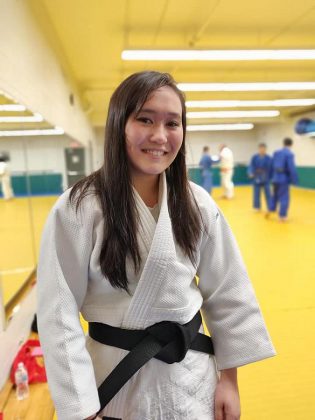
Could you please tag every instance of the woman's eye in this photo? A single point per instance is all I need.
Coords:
(144, 120)
(173, 124)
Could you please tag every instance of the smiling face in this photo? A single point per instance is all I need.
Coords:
(155, 134)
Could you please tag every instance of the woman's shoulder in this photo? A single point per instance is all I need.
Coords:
(70, 206)
(207, 206)
(203, 198)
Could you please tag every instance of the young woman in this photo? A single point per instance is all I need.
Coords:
(123, 247)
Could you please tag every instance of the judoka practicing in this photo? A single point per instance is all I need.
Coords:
(259, 171)
(283, 174)
(206, 169)
(226, 171)
(123, 247)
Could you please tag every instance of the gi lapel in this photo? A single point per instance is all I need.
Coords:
(147, 226)
(161, 249)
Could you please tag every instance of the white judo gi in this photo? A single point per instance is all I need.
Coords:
(70, 280)
(226, 171)
(5, 180)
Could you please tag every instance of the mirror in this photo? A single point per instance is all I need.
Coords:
(34, 169)
(64, 164)
(17, 258)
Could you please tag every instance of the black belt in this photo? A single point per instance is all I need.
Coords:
(167, 341)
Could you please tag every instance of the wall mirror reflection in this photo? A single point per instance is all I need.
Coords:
(37, 162)
(17, 257)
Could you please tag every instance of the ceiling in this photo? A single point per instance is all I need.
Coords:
(89, 36)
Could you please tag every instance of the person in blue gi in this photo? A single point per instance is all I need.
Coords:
(206, 171)
(283, 174)
(259, 171)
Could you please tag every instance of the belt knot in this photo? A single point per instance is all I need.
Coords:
(176, 340)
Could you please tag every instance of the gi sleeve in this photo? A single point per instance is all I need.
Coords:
(62, 280)
(250, 169)
(270, 170)
(291, 168)
(230, 308)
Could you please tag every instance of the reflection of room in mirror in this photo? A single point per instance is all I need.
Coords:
(5, 176)
(17, 258)
(34, 172)
(16, 242)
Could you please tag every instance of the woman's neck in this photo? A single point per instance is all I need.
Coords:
(147, 188)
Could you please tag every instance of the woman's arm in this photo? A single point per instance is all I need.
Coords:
(226, 399)
(230, 309)
(62, 280)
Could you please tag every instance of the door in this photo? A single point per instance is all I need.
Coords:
(75, 164)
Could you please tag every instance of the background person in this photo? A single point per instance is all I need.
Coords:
(259, 171)
(5, 177)
(226, 171)
(206, 170)
(283, 174)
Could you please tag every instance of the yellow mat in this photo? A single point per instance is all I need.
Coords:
(281, 262)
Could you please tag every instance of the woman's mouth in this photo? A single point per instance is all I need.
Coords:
(154, 152)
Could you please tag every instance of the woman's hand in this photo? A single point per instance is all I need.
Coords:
(226, 399)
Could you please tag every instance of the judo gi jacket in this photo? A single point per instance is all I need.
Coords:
(260, 168)
(164, 289)
(206, 173)
(283, 167)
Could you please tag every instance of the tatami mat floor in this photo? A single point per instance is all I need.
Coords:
(281, 262)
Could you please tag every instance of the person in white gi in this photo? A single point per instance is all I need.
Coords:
(123, 247)
(226, 171)
(5, 178)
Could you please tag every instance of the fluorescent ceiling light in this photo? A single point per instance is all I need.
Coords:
(244, 87)
(240, 103)
(44, 132)
(22, 119)
(12, 107)
(217, 55)
(220, 127)
(310, 134)
(232, 114)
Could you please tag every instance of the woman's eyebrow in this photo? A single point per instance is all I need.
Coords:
(152, 111)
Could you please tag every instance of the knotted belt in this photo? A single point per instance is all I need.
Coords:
(166, 341)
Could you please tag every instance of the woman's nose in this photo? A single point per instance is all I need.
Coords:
(158, 134)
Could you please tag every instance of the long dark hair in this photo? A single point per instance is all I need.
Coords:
(112, 183)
